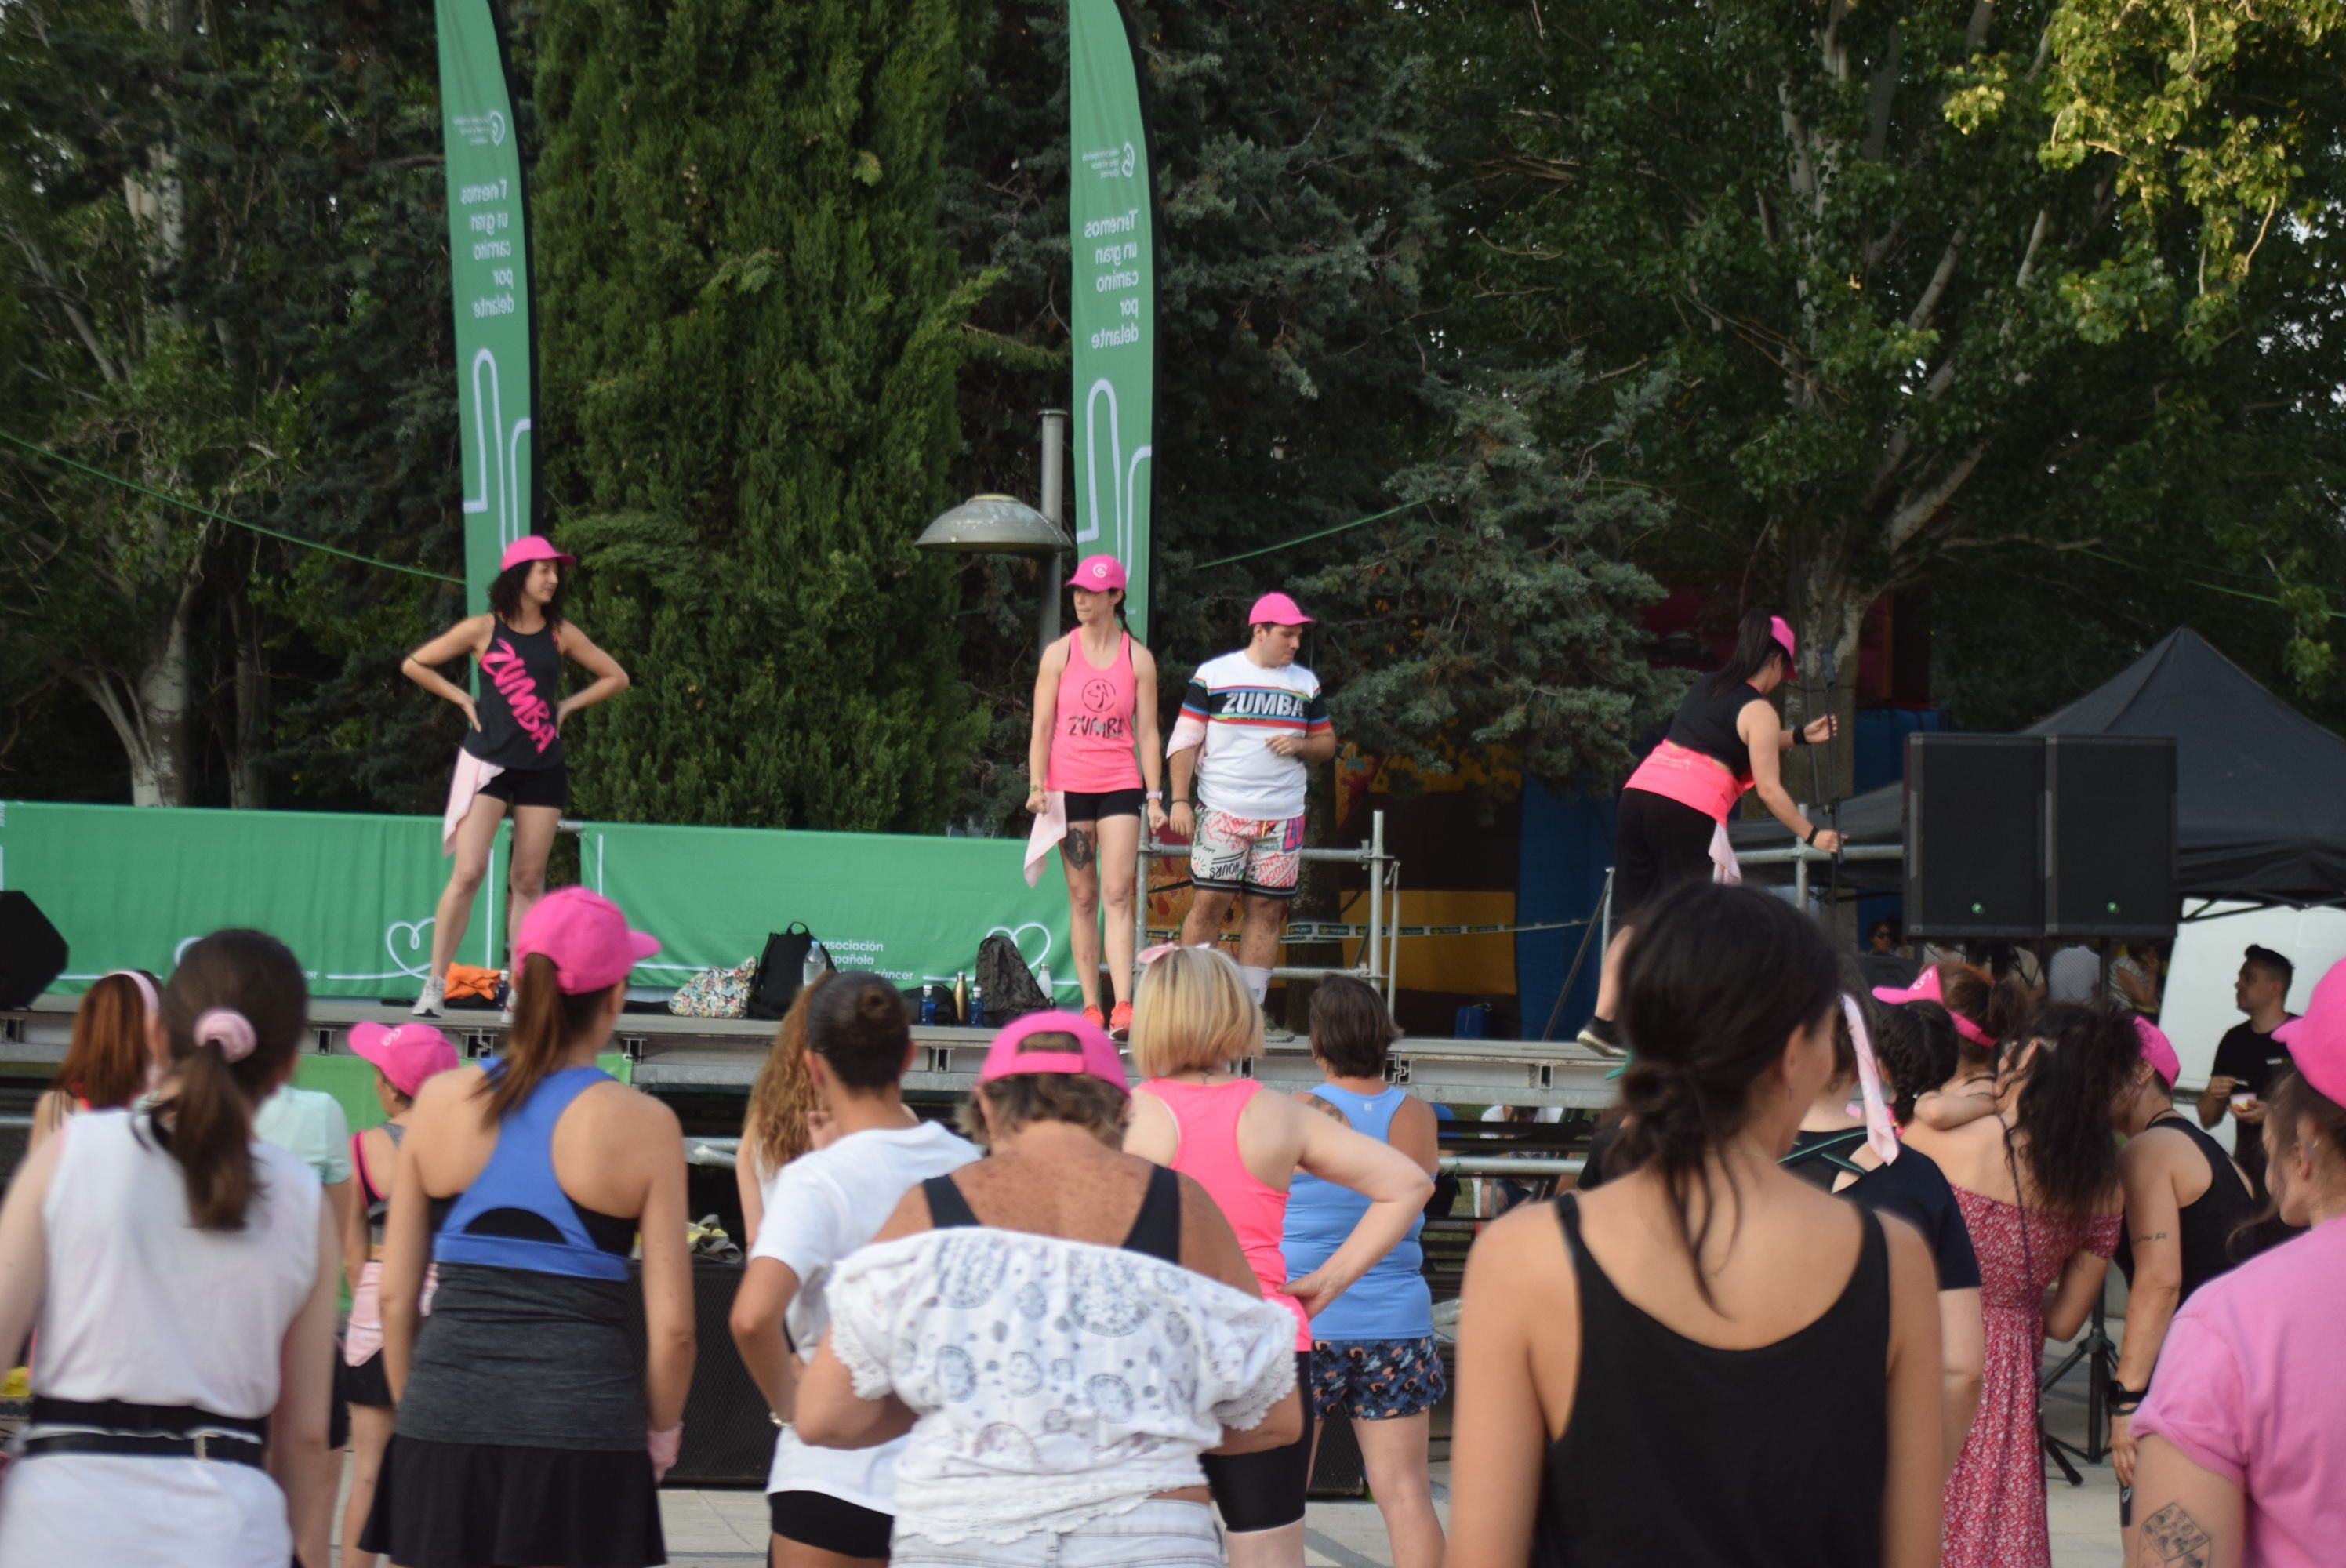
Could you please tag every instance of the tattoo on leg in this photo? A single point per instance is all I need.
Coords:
(2173, 1539)
(1079, 848)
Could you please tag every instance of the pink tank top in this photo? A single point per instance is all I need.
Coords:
(1208, 1117)
(1091, 734)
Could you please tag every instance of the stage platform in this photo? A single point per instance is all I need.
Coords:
(706, 1055)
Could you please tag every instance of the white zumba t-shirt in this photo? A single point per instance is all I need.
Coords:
(1242, 705)
(819, 1208)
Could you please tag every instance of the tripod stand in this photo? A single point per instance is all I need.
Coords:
(2099, 1352)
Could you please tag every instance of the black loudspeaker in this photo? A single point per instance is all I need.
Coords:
(2109, 836)
(32, 953)
(729, 1437)
(1974, 860)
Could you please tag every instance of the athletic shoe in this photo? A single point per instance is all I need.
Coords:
(1119, 1023)
(428, 1004)
(1095, 1017)
(1273, 1030)
(1603, 1036)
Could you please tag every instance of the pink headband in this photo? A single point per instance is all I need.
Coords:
(1782, 629)
(1880, 1131)
(1927, 989)
(146, 988)
(227, 1028)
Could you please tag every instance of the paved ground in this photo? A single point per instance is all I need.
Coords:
(728, 1529)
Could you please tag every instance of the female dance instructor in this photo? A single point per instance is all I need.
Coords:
(1725, 740)
(511, 756)
(1095, 695)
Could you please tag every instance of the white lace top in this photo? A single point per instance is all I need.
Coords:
(1055, 1381)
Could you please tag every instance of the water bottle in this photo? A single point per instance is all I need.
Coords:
(976, 1006)
(817, 964)
(928, 1003)
(1043, 979)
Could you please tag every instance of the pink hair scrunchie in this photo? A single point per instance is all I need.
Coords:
(227, 1028)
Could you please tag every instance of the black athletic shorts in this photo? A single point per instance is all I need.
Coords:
(532, 785)
(1082, 808)
(1264, 1490)
(829, 1523)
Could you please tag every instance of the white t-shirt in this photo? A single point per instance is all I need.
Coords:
(820, 1208)
(1242, 705)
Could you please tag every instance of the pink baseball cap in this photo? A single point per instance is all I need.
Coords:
(1097, 574)
(406, 1055)
(533, 547)
(1278, 610)
(1782, 628)
(2317, 1042)
(1096, 1057)
(586, 936)
(1926, 988)
(2158, 1051)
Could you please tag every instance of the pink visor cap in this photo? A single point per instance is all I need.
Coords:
(1782, 629)
(1097, 1055)
(1277, 609)
(406, 1055)
(1097, 574)
(586, 936)
(2317, 1042)
(2158, 1051)
(1927, 989)
(533, 547)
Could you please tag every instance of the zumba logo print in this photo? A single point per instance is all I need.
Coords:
(503, 667)
(1254, 704)
(1098, 693)
(1099, 724)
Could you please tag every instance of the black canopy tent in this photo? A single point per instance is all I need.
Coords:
(2260, 789)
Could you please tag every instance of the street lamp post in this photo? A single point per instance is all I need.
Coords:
(1004, 525)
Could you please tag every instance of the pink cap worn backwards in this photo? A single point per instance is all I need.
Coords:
(2158, 1051)
(406, 1055)
(533, 547)
(586, 936)
(2317, 1042)
(1277, 609)
(1097, 574)
(1927, 989)
(1782, 628)
(1097, 1054)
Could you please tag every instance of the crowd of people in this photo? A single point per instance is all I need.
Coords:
(1792, 1312)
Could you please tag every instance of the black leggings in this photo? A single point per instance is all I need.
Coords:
(1264, 1490)
(1657, 843)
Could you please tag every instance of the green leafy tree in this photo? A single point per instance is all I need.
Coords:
(748, 324)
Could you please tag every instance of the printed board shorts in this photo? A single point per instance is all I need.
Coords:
(1234, 854)
(1377, 1380)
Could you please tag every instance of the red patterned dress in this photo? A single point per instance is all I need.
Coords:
(1994, 1512)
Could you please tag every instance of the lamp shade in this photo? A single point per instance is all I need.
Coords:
(995, 524)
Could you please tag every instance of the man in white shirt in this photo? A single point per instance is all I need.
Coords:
(1250, 723)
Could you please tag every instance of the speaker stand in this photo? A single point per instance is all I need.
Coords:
(2099, 1352)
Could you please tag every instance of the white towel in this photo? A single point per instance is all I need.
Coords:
(1724, 866)
(463, 785)
(1050, 827)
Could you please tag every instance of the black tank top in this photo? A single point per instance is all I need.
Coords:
(2207, 1221)
(521, 680)
(1706, 723)
(1680, 1453)
(1156, 1229)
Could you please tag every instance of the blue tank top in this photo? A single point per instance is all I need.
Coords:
(1391, 1302)
(515, 1214)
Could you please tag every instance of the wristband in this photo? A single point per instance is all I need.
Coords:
(1800, 736)
(664, 1443)
(1810, 837)
(2124, 1402)
(1154, 795)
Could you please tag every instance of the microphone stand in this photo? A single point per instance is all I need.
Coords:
(1833, 807)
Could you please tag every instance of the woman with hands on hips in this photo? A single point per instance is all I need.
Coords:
(1095, 698)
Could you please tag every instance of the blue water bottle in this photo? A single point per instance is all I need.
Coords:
(976, 1006)
(928, 1003)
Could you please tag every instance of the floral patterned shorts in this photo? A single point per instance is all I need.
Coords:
(1377, 1380)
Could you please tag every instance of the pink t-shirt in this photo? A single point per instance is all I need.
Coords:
(2252, 1385)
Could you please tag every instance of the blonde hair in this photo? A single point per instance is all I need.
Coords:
(1193, 1013)
(774, 1133)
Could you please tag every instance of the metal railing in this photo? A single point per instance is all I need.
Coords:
(722, 1154)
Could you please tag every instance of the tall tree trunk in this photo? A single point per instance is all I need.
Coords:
(159, 770)
(247, 781)
(1831, 601)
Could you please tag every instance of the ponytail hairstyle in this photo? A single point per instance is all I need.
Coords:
(774, 1132)
(858, 1025)
(1755, 646)
(1714, 982)
(1915, 1043)
(105, 1064)
(2084, 1059)
(233, 1014)
(546, 1019)
(1997, 1008)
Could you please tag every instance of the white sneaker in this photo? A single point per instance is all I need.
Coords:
(428, 1004)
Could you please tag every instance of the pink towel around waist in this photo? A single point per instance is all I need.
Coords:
(463, 785)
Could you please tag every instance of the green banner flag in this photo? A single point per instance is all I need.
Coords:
(1112, 234)
(488, 273)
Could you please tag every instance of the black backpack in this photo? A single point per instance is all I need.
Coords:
(781, 970)
(1011, 990)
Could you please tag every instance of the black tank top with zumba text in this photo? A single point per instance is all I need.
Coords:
(521, 680)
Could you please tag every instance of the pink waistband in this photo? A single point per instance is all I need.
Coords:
(1691, 778)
